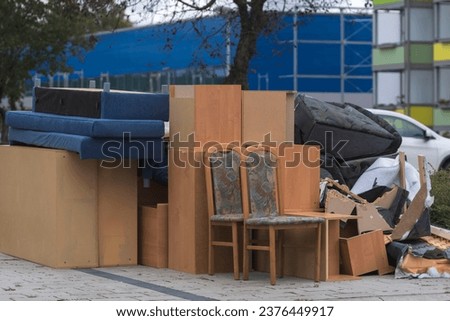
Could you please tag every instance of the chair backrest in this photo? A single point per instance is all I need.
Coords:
(223, 181)
(260, 182)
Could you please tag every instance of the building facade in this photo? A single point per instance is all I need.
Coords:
(324, 55)
(411, 59)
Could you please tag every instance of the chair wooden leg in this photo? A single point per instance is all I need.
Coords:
(272, 255)
(245, 255)
(281, 253)
(211, 250)
(318, 252)
(234, 231)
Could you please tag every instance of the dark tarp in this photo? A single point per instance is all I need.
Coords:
(351, 137)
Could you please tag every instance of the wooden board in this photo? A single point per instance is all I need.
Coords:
(48, 207)
(152, 235)
(117, 215)
(188, 216)
(268, 113)
(210, 112)
(365, 253)
(299, 177)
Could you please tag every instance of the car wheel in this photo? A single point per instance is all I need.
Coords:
(446, 165)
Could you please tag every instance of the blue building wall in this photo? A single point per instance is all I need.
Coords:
(319, 43)
(133, 58)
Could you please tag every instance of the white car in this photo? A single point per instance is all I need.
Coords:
(418, 139)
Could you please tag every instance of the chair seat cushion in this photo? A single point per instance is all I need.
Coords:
(227, 218)
(283, 220)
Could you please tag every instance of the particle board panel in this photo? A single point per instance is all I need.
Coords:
(48, 207)
(365, 253)
(267, 113)
(299, 167)
(211, 112)
(153, 235)
(188, 216)
(117, 215)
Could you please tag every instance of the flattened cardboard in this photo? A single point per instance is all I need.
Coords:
(370, 219)
(411, 216)
(419, 265)
(385, 200)
(338, 203)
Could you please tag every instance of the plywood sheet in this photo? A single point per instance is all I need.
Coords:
(212, 113)
(48, 206)
(300, 177)
(267, 113)
(365, 253)
(117, 215)
(153, 236)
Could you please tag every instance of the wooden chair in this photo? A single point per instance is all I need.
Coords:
(262, 211)
(223, 185)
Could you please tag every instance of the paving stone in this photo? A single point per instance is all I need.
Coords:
(21, 280)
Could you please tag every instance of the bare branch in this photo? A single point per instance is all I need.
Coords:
(195, 7)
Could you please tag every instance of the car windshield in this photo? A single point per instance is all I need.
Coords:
(404, 127)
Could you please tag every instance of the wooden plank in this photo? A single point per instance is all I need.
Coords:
(117, 215)
(365, 253)
(211, 113)
(268, 113)
(188, 216)
(299, 172)
(410, 217)
(153, 240)
(441, 232)
(218, 113)
(402, 175)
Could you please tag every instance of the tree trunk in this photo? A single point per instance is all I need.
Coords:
(239, 68)
(252, 23)
(4, 133)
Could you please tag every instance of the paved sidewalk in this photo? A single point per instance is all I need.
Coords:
(21, 280)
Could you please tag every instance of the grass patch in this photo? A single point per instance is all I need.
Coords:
(440, 189)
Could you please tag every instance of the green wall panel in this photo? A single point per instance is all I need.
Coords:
(388, 56)
(384, 2)
(441, 117)
(421, 53)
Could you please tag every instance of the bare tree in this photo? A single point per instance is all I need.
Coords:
(246, 20)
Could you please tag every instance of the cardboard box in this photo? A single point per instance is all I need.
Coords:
(60, 211)
(365, 253)
(153, 235)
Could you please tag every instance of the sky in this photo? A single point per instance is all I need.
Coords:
(140, 21)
